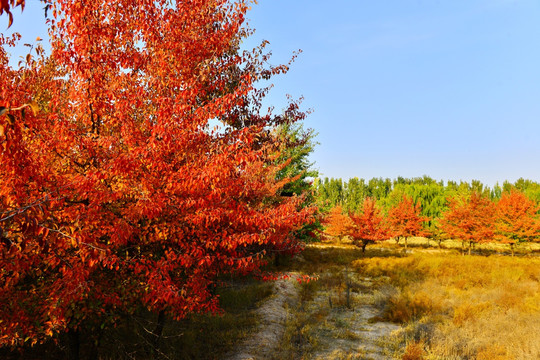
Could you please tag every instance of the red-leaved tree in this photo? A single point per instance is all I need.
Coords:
(7, 5)
(516, 219)
(337, 223)
(117, 193)
(405, 219)
(369, 225)
(469, 218)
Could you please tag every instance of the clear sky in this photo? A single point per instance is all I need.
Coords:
(446, 88)
(449, 89)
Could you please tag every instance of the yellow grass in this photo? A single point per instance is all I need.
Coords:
(474, 307)
(487, 247)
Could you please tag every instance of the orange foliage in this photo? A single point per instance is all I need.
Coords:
(516, 219)
(414, 351)
(337, 223)
(469, 218)
(117, 194)
(405, 220)
(6, 5)
(369, 224)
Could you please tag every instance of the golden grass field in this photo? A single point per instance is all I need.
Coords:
(449, 306)
(463, 307)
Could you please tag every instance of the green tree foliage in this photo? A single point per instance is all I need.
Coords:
(297, 144)
(329, 192)
(355, 192)
(379, 188)
(433, 196)
(496, 192)
(530, 188)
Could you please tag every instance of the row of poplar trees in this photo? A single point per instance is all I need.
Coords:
(379, 209)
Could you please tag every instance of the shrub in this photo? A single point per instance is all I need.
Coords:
(406, 307)
(414, 351)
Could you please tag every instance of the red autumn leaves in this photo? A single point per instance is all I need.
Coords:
(369, 224)
(476, 219)
(7, 5)
(117, 195)
(470, 218)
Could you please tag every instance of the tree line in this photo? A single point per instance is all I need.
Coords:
(380, 209)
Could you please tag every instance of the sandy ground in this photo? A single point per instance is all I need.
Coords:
(342, 334)
(356, 337)
(273, 316)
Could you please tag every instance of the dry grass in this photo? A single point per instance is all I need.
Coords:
(414, 351)
(444, 306)
(481, 249)
(332, 318)
(473, 307)
(449, 306)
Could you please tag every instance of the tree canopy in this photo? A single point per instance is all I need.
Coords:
(116, 190)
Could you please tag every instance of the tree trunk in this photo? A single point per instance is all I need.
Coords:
(348, 295)
(405, 244)
(277, 260)
(94, 349)
(364, 244)
(73, 344)
(158, 331)
(470, 246)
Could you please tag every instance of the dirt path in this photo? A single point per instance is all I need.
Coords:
(351, 335)
(355, 332)
(339, 332)
(273, 316)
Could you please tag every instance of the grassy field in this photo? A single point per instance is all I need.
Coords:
(488, 248)
(448, 306)
(442, 305)
(462, 307)
(523, 249)
(426, 303)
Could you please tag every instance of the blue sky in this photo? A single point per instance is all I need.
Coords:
(450, 89)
